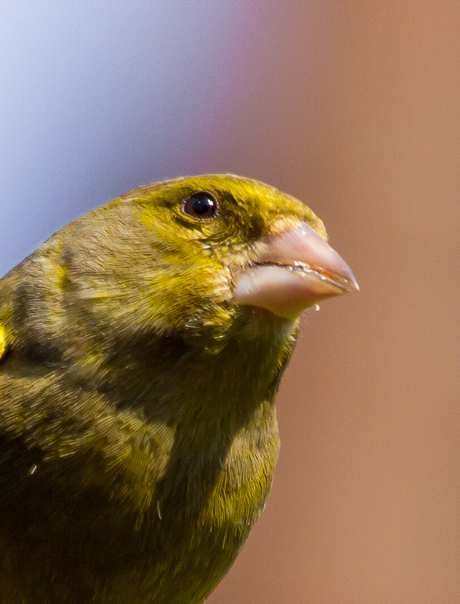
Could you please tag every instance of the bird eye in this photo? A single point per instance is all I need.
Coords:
(202, 205)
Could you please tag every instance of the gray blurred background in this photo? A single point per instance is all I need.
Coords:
(354, 107)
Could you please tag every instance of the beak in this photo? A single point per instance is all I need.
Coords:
(292, 271)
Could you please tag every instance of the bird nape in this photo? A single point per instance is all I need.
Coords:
(141, 349)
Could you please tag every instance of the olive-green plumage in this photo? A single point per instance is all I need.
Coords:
(137, 427)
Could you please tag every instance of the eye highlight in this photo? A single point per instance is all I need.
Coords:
(201, 206)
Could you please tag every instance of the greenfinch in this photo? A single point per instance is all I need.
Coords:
(141, 349)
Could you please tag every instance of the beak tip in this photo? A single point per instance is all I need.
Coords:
(354, 285)
(340, 270)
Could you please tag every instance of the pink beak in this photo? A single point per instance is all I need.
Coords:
(293, 271)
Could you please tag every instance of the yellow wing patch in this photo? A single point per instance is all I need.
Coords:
(3, 343)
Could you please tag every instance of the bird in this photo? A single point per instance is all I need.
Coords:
(141, 350)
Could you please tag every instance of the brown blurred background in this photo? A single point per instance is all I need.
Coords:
(354, 107)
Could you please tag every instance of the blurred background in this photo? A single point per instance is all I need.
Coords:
(354, 107)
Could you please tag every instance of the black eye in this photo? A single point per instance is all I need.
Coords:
(202, 205)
